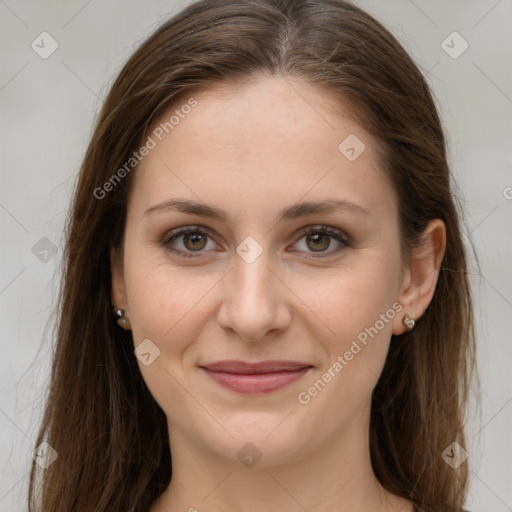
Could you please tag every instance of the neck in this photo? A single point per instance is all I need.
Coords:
(336, 475)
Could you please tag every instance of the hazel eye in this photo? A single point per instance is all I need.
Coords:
(194, 240)
(318, 239)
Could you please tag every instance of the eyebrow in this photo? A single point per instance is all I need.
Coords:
(291, 212)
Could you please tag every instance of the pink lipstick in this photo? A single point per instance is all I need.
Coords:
(253, 378)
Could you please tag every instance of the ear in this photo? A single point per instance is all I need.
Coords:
(420, 276)
(118, 288)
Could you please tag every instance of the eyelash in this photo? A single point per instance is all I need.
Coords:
(169, 237)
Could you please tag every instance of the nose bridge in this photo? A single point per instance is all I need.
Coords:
(252, 279)
(252, 305)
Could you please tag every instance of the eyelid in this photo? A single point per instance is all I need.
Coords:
(192, 228)
(323, 228)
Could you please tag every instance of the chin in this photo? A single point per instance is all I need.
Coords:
(261, 442)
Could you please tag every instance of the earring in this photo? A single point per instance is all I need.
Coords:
(408, 322)
(122, 320)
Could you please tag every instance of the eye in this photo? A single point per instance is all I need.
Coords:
(319, 239)
(193, 238)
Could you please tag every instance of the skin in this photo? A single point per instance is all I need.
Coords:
(251, 150)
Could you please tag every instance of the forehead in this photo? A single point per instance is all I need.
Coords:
(273, 139)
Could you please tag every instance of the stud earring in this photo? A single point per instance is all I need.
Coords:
(408, 322)
(122, 320)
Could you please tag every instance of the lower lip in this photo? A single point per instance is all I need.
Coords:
(256, 382)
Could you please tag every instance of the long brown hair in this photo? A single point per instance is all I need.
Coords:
(110, 435)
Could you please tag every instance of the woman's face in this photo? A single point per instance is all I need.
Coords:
(249, 284)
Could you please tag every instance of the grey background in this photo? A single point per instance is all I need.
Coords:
(47, 110)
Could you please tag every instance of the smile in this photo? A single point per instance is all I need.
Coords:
(254, 378)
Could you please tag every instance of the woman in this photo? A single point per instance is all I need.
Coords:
(265, 304)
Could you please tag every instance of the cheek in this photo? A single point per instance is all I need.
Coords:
(168, 305)
(348, 300)
(355, 306)
(351, 307)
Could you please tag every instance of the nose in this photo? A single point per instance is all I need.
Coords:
(254, 300)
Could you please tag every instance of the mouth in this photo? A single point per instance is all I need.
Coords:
(254, 378)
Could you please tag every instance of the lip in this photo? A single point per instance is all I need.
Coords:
(253, 378)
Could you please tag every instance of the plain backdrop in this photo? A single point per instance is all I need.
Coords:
(48, 106)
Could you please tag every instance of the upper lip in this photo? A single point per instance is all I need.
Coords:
(243, 367)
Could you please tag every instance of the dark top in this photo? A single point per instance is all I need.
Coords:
(416, 509)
